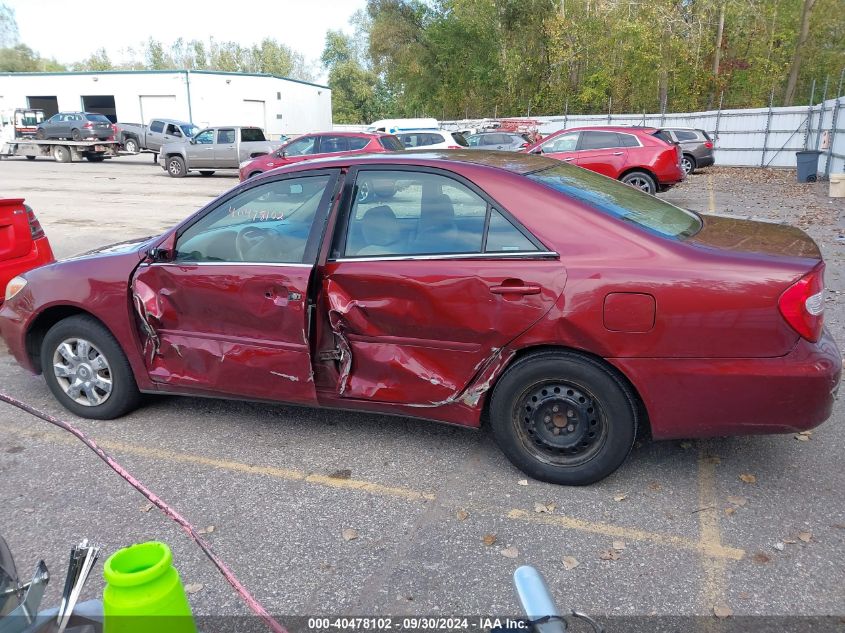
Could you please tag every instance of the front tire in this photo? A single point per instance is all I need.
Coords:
(131, 145)
(640, 180)
(176, 167)
(206, 173)
(87, 371)
(75, 135)
(563, 418)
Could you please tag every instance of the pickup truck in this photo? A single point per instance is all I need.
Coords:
(135, 136)
(223, 147)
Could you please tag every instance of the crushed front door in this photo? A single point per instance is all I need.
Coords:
(228, 313)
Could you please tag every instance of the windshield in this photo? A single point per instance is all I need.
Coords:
(620, 201)
(189, 130)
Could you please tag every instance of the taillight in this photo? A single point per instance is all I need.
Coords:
(802, 304)
(453, 147)
(525, 144)
(34, 225)
(708, 145)
(88, 125)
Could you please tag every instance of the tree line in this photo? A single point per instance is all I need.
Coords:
(484, 58)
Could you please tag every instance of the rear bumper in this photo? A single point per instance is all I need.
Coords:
(705, 161)
(712, 397)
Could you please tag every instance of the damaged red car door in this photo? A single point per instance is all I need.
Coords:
(427, 281)
(225, 309)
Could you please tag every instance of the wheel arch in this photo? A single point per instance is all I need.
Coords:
(536, 350)
(645, 170)
(45, 320)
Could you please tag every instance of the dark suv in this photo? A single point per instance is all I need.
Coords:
(696, 146)
(76, 126)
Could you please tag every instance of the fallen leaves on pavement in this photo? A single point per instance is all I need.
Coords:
(722, 611)
(748, 478)
(193, 587)
(544, 508)
(570, 562)
(349, 534)
(510, 552)
(462, 515)
(488, 539)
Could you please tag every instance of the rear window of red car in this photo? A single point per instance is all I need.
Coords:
(620, 201)
(391, 143)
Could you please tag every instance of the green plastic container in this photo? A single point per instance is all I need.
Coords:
(144, 593)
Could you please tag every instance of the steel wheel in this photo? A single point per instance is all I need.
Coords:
(82, 371)
(562, 423)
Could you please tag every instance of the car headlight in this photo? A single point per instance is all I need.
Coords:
(244, 164)
(14, 287)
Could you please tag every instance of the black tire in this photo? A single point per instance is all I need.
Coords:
(75, 135)
(124, 395)
(131, 145)
(40, 134)
(563, 418)
(95, 158)
(206, 173)
(688, 164)
(640, 180)
(176, 167)
(61, 154)
(30, 157)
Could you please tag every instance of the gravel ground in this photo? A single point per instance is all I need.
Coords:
(675, 531)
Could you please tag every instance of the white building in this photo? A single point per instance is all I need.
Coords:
(205, 98)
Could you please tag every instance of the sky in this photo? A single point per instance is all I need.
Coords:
(47, 26)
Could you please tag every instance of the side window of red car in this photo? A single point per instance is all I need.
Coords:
(399, 213)
(269, 223)
(357, 142)
(562, 143)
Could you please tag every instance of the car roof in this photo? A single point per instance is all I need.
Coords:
(513, 162)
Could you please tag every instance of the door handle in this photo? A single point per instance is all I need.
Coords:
(569, 159)
(524, 289)
(618, 153)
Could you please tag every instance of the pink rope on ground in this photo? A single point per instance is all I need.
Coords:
(172, 514)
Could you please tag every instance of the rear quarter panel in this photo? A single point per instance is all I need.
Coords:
(709, 303)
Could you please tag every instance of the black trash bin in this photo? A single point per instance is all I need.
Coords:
(808, 165)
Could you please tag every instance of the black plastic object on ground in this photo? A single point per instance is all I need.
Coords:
(808, 165)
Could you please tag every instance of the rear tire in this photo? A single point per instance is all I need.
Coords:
(95, 158)
(688, 164)
(40, 134)
(563, 418)
(70, 371)
(30, 157)
(176, 167)
(61, 154)
(640, 180)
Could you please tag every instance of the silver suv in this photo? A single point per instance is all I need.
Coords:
(696, 146)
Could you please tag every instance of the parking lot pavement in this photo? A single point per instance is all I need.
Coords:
(280, 484)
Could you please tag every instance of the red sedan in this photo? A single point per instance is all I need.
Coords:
(633, 155)
(321, 145)
(23, 245)
(567, 308)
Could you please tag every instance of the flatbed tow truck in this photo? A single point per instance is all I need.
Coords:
(17, 139)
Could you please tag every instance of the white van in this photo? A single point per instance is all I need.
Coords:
(395, 126)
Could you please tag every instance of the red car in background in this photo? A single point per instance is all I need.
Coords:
(23, 244)
(633, 155)
(321, 145)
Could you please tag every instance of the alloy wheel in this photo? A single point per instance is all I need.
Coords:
(82, 372)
